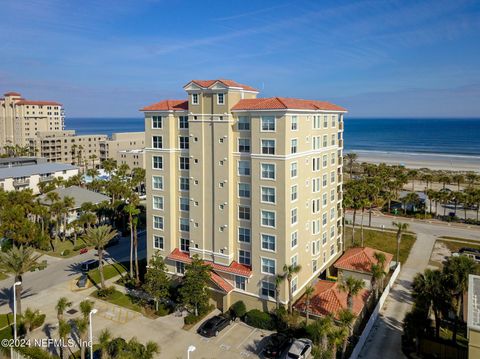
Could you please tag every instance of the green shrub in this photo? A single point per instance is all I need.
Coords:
(238, 309)
(258, 319)
(79, 246)
(107, 292)
(163, 310)
(38, 322)
(191, 319)
(66, 252)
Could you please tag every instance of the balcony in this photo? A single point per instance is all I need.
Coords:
(21, 182)
(47, 178)
(340, 125)
(340, 143)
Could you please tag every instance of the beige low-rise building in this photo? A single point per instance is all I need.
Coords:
(115, 146)
(67, 147)
(28, 172)
(248, 184)
(132, 158)
(21, 119)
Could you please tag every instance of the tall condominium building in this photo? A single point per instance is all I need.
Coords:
(248, 184)
(21, 120)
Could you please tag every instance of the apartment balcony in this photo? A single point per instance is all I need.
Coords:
(21, 182)
(46, 178)
(340, 125)
(340, 143)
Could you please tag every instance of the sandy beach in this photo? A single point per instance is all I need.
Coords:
(422, 160)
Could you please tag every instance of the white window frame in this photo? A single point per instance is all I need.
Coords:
(238, 213)
(248, 121)
(293, 235)
(294, 192)
(161, 182)
(154, 118)
(274, 146)
(274, 194)
(180, 118)
(249, 168)
(180, 184)
(195, 99)
(294, 123)
(249, 236)
(161, 220)
(274, 218)
(293, 223)
(223, 98)
(294, 149)
(249, 190)
(153, 163)
(249, 256)
(274, 265)
(180, 204)
(161, 240)
(161, 201)
(274, 171)
(274, 123)
(296, 169)
(274, 250)
(249, 145)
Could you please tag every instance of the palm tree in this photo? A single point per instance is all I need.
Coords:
(444, 179)
(62, 305)
(362, 203)
(132, 210)
(458, 179)
(381, 259)
(81, 324)
(456, 271)
(309, 290)
(428, 288)
(413, 199)
(377, 276)
(346, 320)
(351, 158)
(18, 261)
(335, 338)
(64, 330)
(68, 203)
(29, 318)
(351, 286)
(99, 237)
(104, 340)
(289, 271)
(278, 281)
(413, 174)
(86, 307)
(320, 329)
(401, 227)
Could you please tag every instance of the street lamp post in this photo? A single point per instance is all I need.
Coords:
(93, 311)
(15, 310)
(191, 348)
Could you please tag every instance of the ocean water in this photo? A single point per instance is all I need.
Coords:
(456, 137)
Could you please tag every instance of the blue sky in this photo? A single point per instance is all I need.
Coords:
(377, 58)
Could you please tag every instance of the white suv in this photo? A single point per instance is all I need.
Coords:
(300, 349)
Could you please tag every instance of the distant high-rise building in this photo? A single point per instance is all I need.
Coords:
(248, 184)
(21, 119)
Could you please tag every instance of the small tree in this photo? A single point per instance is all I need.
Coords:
(81, 324)
(309, 290)
(18, 261)
(289, 271)
(401, 227)
(157, 282)
(319, 331)
(64, 330)
(193, 292)
(32, 319)
(346, 318)
(86, 307)
(62, 305)
(351, 286)
(104, 340)
(99, 237)
(377, 278)
(278, 281)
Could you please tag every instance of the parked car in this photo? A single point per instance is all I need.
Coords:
(300, 349)
(276, 344)
(213, 326)
(90, 264)
(83, 250)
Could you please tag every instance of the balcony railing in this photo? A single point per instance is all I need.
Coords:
(46, 178)
(340, 125)
(21, 182)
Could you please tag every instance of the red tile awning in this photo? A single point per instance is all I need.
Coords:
(234, 267)
(220, 282)
(361, 259)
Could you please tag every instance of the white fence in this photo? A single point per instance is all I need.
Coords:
(366, 331)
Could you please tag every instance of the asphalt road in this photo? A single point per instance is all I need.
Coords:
(63, 269)
(384, 340)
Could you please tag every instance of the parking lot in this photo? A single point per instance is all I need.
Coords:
(238, 340)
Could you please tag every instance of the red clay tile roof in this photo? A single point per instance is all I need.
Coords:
(167, 105)
(12, 94)
(228, 83)
(38, 103)
(280, 103)
(220, 282)
(327, 298)
(360, 259)
(234, 267)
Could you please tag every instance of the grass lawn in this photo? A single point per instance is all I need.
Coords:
(109, 271)
(3, 276)
(6, 319)
(382, 240)
(120, 299)
(66, 245)
(455, 246)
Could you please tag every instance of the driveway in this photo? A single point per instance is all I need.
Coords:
(385, 338)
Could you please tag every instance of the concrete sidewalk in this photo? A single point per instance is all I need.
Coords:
(385, 338)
